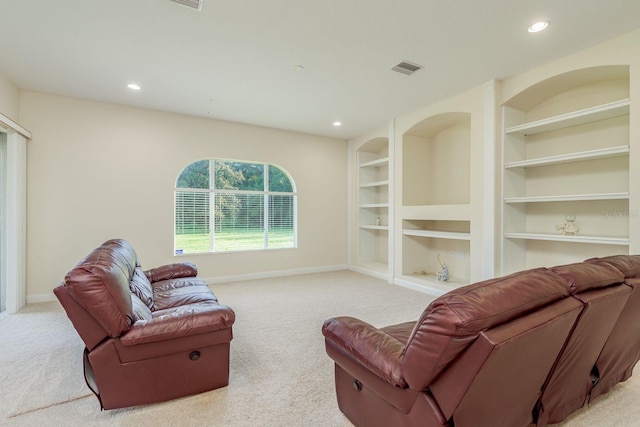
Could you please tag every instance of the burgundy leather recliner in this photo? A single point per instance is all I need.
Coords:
(149, 336)
(528, 348)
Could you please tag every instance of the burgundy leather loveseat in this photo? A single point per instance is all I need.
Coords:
(528, 348)
(151, 335)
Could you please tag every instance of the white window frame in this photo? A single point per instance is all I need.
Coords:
(212, 191)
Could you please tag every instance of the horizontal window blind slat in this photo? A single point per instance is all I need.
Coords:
(192, 221)
(239, 222)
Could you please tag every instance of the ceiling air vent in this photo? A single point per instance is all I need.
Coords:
(407, 68)
(194, 4)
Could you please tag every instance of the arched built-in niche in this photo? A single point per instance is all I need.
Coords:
(436, 210)
(436, 159)
(566, 161)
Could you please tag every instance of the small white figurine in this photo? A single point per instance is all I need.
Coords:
(378, 221)
(442, 275)
(569, 228)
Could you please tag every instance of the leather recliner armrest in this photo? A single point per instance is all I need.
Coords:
(172, 271)
(374, 349)
(183, 321)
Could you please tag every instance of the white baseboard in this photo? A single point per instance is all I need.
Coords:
(420, 288)
(32, 299)
(398, 281)
(369, 272)
(271, 274)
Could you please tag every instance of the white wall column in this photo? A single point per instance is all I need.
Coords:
(351, 222)
(392, 201)
(489, 178)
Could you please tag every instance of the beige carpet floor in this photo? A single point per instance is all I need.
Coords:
(279, 375)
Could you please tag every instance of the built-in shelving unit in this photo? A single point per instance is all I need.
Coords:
(373, 205)
(565, 155)
(436, 209)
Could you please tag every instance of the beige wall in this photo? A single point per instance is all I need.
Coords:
(9, 99)
(98, 171)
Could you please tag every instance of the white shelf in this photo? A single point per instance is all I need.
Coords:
(602, 240)
(374, 205)
(453, 235)
(375, 184)
(378, 163)
(437, 212)
(374, 227)
(568, 198)
(574, 118)
(569, 158)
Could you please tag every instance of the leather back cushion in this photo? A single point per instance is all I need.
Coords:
(100, 284)
(141, 287)
(140, 309)
(453, 321)
(629, 265)
(584, 276)
(172, 271)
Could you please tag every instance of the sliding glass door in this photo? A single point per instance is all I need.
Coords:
(13, 217)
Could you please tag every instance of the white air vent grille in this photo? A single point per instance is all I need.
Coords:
(194, 4)
(407, 68)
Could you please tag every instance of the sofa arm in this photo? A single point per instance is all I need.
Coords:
(187, 320)
(372, 348)
(172, 271)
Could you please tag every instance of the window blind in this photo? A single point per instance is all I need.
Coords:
(226, 206)
(193, 219)
(239, 222)
(281, 232)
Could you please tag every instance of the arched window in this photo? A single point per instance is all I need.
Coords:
(229, 205)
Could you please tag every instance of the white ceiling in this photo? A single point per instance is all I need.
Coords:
(235, 59)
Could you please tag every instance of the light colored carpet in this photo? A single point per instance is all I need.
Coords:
(280, 374)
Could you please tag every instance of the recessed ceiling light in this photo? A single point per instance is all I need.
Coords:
(538, 26)
(336, 123)
(134, 86)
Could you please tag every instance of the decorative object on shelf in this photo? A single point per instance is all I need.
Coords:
(442, 275)
(569, 228)
(378, 221)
